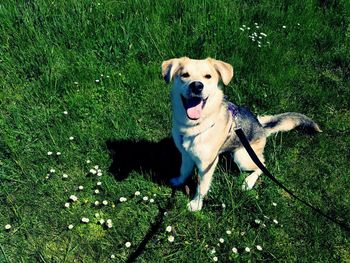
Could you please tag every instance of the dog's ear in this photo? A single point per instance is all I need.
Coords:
(170, 68)
(224, 69)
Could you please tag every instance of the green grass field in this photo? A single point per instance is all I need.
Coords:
(77, 74)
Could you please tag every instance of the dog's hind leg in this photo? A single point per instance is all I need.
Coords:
(245, 163)
(206, 172)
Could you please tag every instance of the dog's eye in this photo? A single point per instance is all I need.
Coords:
(208, 76)
(185, 75)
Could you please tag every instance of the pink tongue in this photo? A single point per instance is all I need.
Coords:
(195, 111)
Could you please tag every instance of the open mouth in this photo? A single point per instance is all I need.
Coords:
(193, 106)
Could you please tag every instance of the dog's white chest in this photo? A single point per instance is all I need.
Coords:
(187, 142)
(195, 147)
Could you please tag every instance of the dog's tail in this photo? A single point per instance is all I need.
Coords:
(288, 121)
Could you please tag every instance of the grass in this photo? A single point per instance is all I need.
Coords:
(52, 53)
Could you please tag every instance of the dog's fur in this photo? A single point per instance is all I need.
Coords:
(203, 127)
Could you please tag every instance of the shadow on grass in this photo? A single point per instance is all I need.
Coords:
(161, 160)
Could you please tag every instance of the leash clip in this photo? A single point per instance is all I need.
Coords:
(233, 109)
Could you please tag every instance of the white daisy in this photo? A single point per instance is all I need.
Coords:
(97, 203)
(223, 205)
(151, 200)
(80, 187)
(49, 153)
(228, 232)
(274, 204)
(112, 256)
(105, 202)
(234, 250)
(137, 193)
(93, 171)
(109, 223)
(257, 221)
(101, 221)
(215, 259)
(213, 251)
(65, 176)
(52, 171)
(128, 244)
(247, 249)
(70, 226)
(98, 183)
(58, 153)
(65, 112)
(122, 199)
(275, 221)
(145, 198)
(8, 227)
(99, 174)
(88, 161)
(73, 198)
(66, 205)
(71, 138)
(85, 220)
(258, 247)
(222, 240)
(171, 238)
(97, 80)
(96, 191)
(168, 229)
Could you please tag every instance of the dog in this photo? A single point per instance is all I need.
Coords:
(204, 122)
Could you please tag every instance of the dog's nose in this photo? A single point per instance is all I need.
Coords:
(196, 87)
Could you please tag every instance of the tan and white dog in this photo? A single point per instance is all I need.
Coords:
(203, 123)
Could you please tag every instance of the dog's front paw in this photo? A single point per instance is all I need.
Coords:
(176, 181)
(249, 182)
(195, 205)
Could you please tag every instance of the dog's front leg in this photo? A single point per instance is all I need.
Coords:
(186, 168)
(206, 171)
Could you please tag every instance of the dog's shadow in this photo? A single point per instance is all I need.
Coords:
(159, 161)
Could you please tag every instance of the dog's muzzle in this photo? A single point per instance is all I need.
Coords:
(196, 87)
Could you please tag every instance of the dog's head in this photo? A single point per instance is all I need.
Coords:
(196, 82)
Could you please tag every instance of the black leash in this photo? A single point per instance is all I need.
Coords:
(256, 160)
